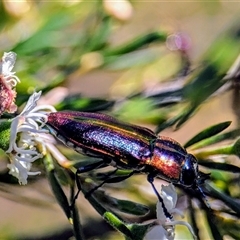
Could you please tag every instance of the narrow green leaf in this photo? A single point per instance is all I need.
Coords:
(103, 175)
(128, 207)
(168, 123)
(139, 230)
(203, 83)
(236, 147)
(125, 206)
(111, 217)
(208, 132)
(177, 120)
(214, 229)
(59, 193)
(79, 103)
(186, 115)
(128, 60)
(77, 227)
(99, 35)
(229, 226)
(167, 97)
(136, 43)
(220, 166)
(117, 179)
(117, 223)
(229, 201)
(56, 187)
(216, 139)
(193, 218)
(49, 35)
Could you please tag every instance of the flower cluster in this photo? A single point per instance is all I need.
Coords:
(8, 81)
(28, 139)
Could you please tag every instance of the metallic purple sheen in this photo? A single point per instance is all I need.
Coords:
(129, 146)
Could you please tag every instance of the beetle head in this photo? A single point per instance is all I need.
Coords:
(191, 177)
(189, 172)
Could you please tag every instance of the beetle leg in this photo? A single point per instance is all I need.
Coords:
(101, 184)
(119, 178)
(110, 179)
(150, 179)
(90, 167)
(86, 168)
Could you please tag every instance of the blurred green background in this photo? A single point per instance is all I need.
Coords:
(88, 48)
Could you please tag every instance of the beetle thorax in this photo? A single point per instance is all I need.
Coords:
(189, 171)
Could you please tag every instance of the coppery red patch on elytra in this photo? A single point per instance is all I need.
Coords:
(7, 97)
(168, 166)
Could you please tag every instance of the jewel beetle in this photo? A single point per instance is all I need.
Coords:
(126, 146)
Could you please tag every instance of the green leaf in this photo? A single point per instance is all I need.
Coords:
(99, 36)
(49, 35)
(115, 222)
(203, 83)
(216, 62)
(5, 17)
(77, 227)
(128, 207)
(136, 43)
(211, 223)
(236, 148)
(59, 193)
(167, 97)
(193, 218)
(218, 138)
(103, 175)
(112, 218)
(125, 206)
(229, 226)
(132, 59)
(177, 120)
(5, 135)
(79, 103)
(208, 132)
(139, 230)
(168, 123)
(220, 166)
(229, 201)
(185, 116)
(56, 187)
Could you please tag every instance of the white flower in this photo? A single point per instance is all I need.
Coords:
(8, 81)
(165, 227)
(6, 66)
(157, 233)
(27, 136)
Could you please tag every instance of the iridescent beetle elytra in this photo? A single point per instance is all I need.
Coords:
(126, 146)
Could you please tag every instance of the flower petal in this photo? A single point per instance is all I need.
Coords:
(169, 196)
(32, 103)
(157, 232)
(8, 61)
(161, 217)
